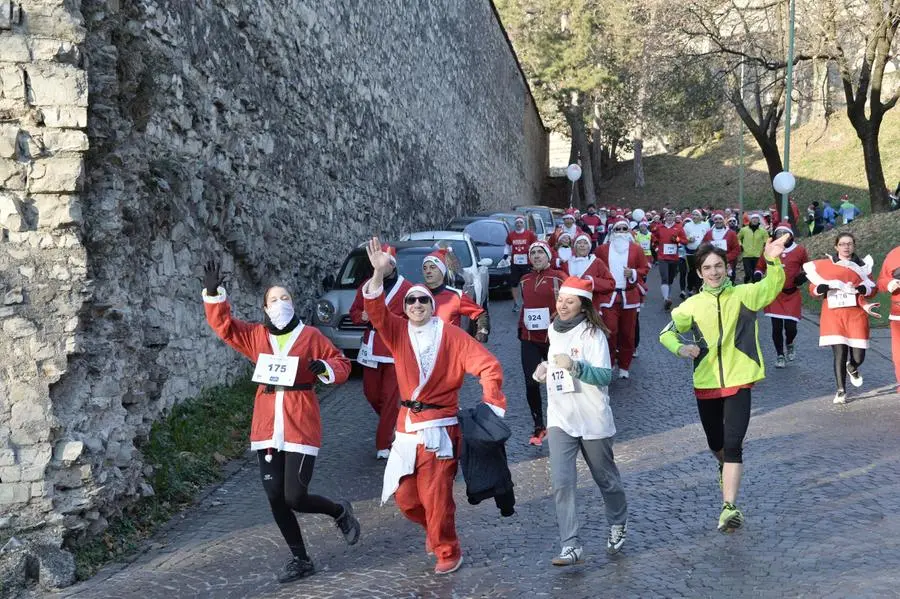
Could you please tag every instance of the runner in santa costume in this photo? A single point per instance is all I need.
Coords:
(431, 359)
(539, 290)
(563, 249)
(568, 226)
(889, 282)
(584, 264)
(517, 243)
(785, 311)
(379, 376)
(628, 266)
(286, 431)
(843, 282)
(592, 223)
(666, 239)
(452, 303)
(726, 240)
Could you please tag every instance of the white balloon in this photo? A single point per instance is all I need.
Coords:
(637, 214)
(573, 172)
(784, 182)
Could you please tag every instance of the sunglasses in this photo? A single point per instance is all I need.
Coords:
(422, 299)
(620, 230)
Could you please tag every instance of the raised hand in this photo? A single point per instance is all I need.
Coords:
(212, 277)
(380, 260)
(775, 247)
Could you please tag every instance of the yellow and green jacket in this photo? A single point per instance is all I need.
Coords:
(725, 329)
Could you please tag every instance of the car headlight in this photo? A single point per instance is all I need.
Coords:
(325, 311)
(504, 263)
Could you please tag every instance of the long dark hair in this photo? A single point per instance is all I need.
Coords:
(595, 321)
(853, 257)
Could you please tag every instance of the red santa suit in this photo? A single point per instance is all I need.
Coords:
(844, 319)
(620, 306)
(592, 267)
(452, 303)
(517, 245)
(431, 362)
(725, 239)
(666, 239)
(593, 224)
(379, 375)
(789, 304)
(284, 418)
(890, 277)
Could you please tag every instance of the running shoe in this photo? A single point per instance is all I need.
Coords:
(779, 362)
(537, 438)
(791, 353)
(347, 523)
(721, 479)
(616, 538)
(296, 569)
(731, 518)
(667, 305)
(515, 307)
(569, 556)
(840, 397)
(448, 567)
(623, 374)
(682, 295)
(382, 454)
(634, 355)
(855, 376)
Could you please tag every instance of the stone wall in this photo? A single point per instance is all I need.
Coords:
(139, 139)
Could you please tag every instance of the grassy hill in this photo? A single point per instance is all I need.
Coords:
(826, 158)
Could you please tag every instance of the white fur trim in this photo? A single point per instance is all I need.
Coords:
(496, 409)
(574, 291)
(842, 340)
(284, 446)
(215, 299)
(437, 262)
(369, 293)
(328, 377)
(781, 316)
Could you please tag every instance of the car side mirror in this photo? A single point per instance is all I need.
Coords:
(485, 262)
(328, 282)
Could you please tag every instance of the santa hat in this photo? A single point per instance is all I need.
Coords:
(784, 226)
(718, 214)
(561, 235)
(579, 287)
(618, 221)
(755, 215)
(644, 222)
(421, 289)
(391, 251)
(581, 236)
(569, 214)
(439, 258)
(603, 209)
(542, 245)
(520, 219)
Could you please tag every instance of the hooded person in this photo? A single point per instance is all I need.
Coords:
(451, 303)
(379, 375)
(752, 239)
(432, 359)
(517, 243)
(726, 240)
(628, 265)
(785, 311)
(666, 239)
(286, 431)
(563, 249)
(889, 282)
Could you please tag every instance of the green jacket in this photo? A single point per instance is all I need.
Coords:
(753, 242)
(724, 327)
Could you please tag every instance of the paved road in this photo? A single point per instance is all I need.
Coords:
(821, 486)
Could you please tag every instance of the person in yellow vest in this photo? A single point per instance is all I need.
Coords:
(642, 237)
(752, 238)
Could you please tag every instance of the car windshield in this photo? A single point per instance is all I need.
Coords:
(355, 270)
(487, 233)
(509, 219)
(458, 248)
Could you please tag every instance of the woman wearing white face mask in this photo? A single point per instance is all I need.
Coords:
(563, 249)
(585, 265)
(286, 431)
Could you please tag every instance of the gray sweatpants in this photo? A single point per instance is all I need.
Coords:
(598, 454)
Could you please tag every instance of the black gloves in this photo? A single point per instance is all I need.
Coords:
(822, 289)
(211, 277)
(757, 277)
(317, 367)
(800, 279)
(862, 290)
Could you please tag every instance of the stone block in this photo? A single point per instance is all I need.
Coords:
(14, 48)
(59, 173)
(56, 567)
(71, 117)
(55, 50)
(13, 296)
(12, 176)
(56, 85)
(10, 211)
(8, 135)
(68, 451)
(11, 474)
(18, 327)
(64, 140)
(12, 83)
(56, 211)
(11, 493)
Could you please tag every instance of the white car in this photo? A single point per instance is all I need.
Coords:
(474, 268)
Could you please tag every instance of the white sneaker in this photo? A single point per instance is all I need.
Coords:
(616, 538)
(634, 355)
(383, 454)
(855, 376)
(623, 374)
(569, 556)
(840, 397)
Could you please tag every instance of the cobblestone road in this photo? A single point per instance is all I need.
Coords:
(820, 496)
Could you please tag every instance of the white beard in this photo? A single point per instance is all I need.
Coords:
(619, 242)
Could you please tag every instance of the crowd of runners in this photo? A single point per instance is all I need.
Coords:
(578, 297)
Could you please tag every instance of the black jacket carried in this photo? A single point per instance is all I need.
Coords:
(483, 458)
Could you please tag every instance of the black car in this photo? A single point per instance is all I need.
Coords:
(489, 235)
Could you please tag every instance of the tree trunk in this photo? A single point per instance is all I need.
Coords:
(596, 149)
(575, 118)
(878, 193)
(641, 102)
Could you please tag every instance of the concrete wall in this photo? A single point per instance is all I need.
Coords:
(138, 139)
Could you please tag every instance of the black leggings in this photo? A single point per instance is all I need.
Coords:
(783, 330)
(667, 271)
(683, 273)
(286, 482)
(637, 329)
(749, 268)
(842, 355)
(725, 422)
(532, 355)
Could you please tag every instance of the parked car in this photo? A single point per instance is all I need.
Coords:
(533, 222)
(473, 267)
(544, 212)
(489, 236)
(332, 312)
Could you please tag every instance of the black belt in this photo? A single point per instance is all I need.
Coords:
(300, 387)
(418, 406)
